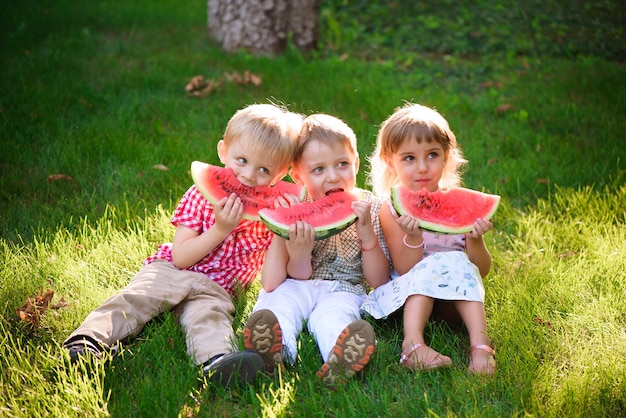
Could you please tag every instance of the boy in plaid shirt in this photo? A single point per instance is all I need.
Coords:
(214, 254)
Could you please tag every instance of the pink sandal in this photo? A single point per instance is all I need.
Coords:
(439, 360)
(490, 367)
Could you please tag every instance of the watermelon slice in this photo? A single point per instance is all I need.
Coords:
(216, 183)
(450, 212)
(329, 216)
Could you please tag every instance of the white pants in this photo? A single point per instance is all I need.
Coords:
(328, 313)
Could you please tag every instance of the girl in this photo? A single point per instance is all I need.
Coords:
(416, 148)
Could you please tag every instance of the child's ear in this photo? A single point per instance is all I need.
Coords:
(388, 162)
(221, 151)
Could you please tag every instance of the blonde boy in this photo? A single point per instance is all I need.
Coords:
(322, 282)
(214, 254)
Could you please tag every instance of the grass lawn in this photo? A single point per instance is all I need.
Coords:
(98, 135)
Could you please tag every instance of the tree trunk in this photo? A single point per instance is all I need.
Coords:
(303, 24)
(262, 26)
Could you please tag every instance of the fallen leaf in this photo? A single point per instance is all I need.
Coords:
(567, 254)
(56, 177)
(504, 108)
(233, 77)
(542, 181)
(493, 84)
(197, 82)
(250, 78)
(540, 321)
(246, 78)
(34, 308)
(210, 87)
(492, 161)
(255, 79)
(364, 115)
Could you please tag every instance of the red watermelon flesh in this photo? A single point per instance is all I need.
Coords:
(215, 183)
(449, 212)
(329, 216)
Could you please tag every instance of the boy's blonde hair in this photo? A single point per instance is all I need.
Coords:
(326, 129)
(414, 122)
(269, 130)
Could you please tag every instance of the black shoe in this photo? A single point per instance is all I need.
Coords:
(236, 367)
(82, 346)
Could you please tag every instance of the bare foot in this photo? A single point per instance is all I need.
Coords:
(421, 357)
(482, 360)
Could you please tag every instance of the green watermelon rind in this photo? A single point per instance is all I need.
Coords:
(321, 232)
(441, 227)
(198, 168)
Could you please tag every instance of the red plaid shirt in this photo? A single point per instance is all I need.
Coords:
(233, 263)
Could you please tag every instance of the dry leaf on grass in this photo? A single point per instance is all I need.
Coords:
(198, 86)
(34, 307)
(56, 177)
(489, 84)
(246, 78)
(196, 83)
(504, 108)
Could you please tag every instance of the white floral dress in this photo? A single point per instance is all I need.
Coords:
(444, 273)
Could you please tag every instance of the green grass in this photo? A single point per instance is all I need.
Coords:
(96, 92)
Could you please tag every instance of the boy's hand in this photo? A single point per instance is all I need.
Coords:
(364, 228)
(228, 212)
(480, 228)
(301, 240)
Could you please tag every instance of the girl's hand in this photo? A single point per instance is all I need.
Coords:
(286, 200)
(301, 240)
(409, 225)
(228, 213)
(480, 228)
(364, 227)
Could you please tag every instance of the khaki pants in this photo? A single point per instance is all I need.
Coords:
(204, 310)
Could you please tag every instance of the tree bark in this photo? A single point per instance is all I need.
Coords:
(303, 24)
(262, 26)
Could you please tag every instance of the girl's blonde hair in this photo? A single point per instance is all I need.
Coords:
(414, 122)
(268, 129)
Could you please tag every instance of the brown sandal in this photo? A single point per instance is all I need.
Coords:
(439, 361)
